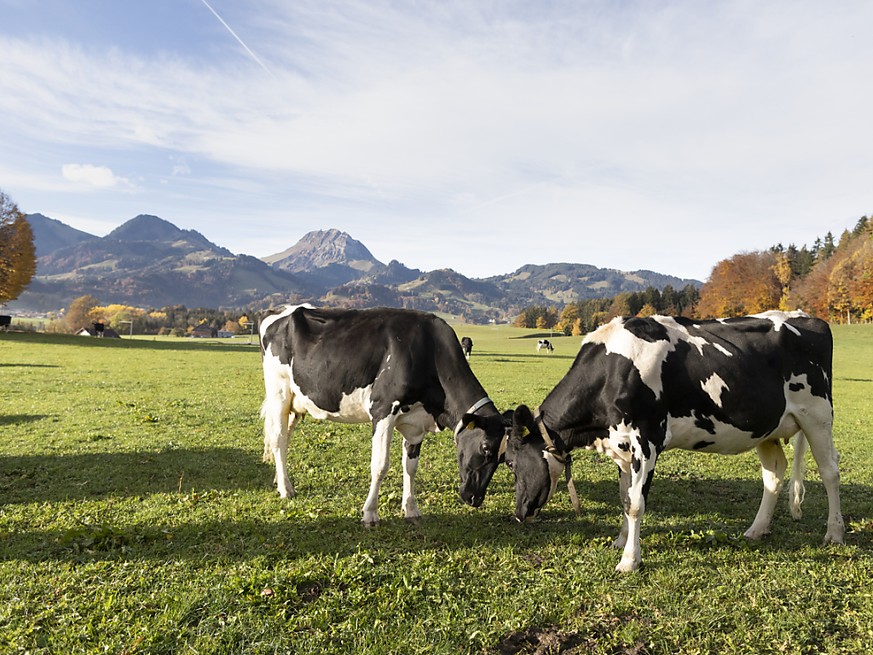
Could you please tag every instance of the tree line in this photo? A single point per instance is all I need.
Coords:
(175, 320)
(832, 280)
(586, 315)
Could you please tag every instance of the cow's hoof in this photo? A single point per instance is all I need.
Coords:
(755, 534)
(370, 522)
(627, 566)
(413, 520)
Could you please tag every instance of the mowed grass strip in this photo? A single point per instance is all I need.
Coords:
(136, 516)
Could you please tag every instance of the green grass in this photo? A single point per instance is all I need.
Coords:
(137, 517)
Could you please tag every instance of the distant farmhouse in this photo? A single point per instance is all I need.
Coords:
(203, 331)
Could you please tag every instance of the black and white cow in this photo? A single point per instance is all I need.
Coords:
(545, 344)
(641, 386)
(393, 368)
(467, 346)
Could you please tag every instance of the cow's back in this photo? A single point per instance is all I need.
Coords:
(384, 356)
(702, 376)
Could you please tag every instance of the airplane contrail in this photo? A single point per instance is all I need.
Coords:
(239, 40)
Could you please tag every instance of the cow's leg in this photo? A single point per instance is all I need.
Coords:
(379, 461)
(773, 465)
(821, 444)
(278, 423)
(411, 451)
(642, 467)
(623, 486)
(796, 487)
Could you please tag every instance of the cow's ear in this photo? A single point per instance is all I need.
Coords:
(507, 418)
(522, 419)
(523, 416)
(471, 421)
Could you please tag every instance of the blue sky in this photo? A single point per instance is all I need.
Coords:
(478, 136)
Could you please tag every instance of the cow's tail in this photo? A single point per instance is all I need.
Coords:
(796, 489)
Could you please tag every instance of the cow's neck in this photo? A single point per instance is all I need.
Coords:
(566, 412)
(463, 399)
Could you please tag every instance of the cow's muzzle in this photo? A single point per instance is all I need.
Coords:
(472, 499)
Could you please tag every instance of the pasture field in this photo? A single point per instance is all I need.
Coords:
(136, 516)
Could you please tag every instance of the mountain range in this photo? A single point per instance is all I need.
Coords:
(149, 262)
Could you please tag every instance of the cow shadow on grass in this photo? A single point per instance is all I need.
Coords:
(682, 513)
(142, 343)
(94, 476)
(16, 419)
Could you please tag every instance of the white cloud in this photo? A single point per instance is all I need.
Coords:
(99, 177)
(635, 131)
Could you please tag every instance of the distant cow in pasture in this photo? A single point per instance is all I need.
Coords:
(641, 386)
(545, 344)
(467, 346)
(392, 368)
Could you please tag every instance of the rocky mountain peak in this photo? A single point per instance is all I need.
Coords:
(321, 248)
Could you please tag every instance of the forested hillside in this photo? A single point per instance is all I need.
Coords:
(832, 279)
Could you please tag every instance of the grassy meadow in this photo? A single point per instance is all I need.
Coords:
(136, 516)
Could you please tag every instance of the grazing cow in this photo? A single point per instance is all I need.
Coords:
(545, 343)
(640, 386)
(467, 346)
(393, 368)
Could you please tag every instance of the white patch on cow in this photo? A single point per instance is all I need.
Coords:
(646, 356)
(805, 406)
(618, 446)
(714, 387)
(415, 423)
(287, 311)
(502, 450)
(724, 351)
(354, 406)
(779, 318)
(678, 332)
(556, 468)
(684, 433)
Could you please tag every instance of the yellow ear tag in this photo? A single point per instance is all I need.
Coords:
(471, 425)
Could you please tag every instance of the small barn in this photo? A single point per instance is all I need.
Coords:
(203, 331)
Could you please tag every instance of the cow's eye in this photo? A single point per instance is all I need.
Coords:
(485, 450)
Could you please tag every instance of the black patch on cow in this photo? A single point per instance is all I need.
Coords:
(413, 450)
(648, 484)
(700, 445)
(704, 423)
(636, 463)
(796, 386)
(646, 330)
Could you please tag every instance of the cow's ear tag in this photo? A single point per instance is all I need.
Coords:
(471, 425)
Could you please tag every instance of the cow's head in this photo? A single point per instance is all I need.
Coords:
(537, 469)
(480, 442)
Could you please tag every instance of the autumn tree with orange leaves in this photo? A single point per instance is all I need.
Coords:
(746, 283)
(17, 253)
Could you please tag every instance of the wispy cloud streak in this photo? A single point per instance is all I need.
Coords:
(238, 39)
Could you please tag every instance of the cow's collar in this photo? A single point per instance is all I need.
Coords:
(561, 456)
(475, 407)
